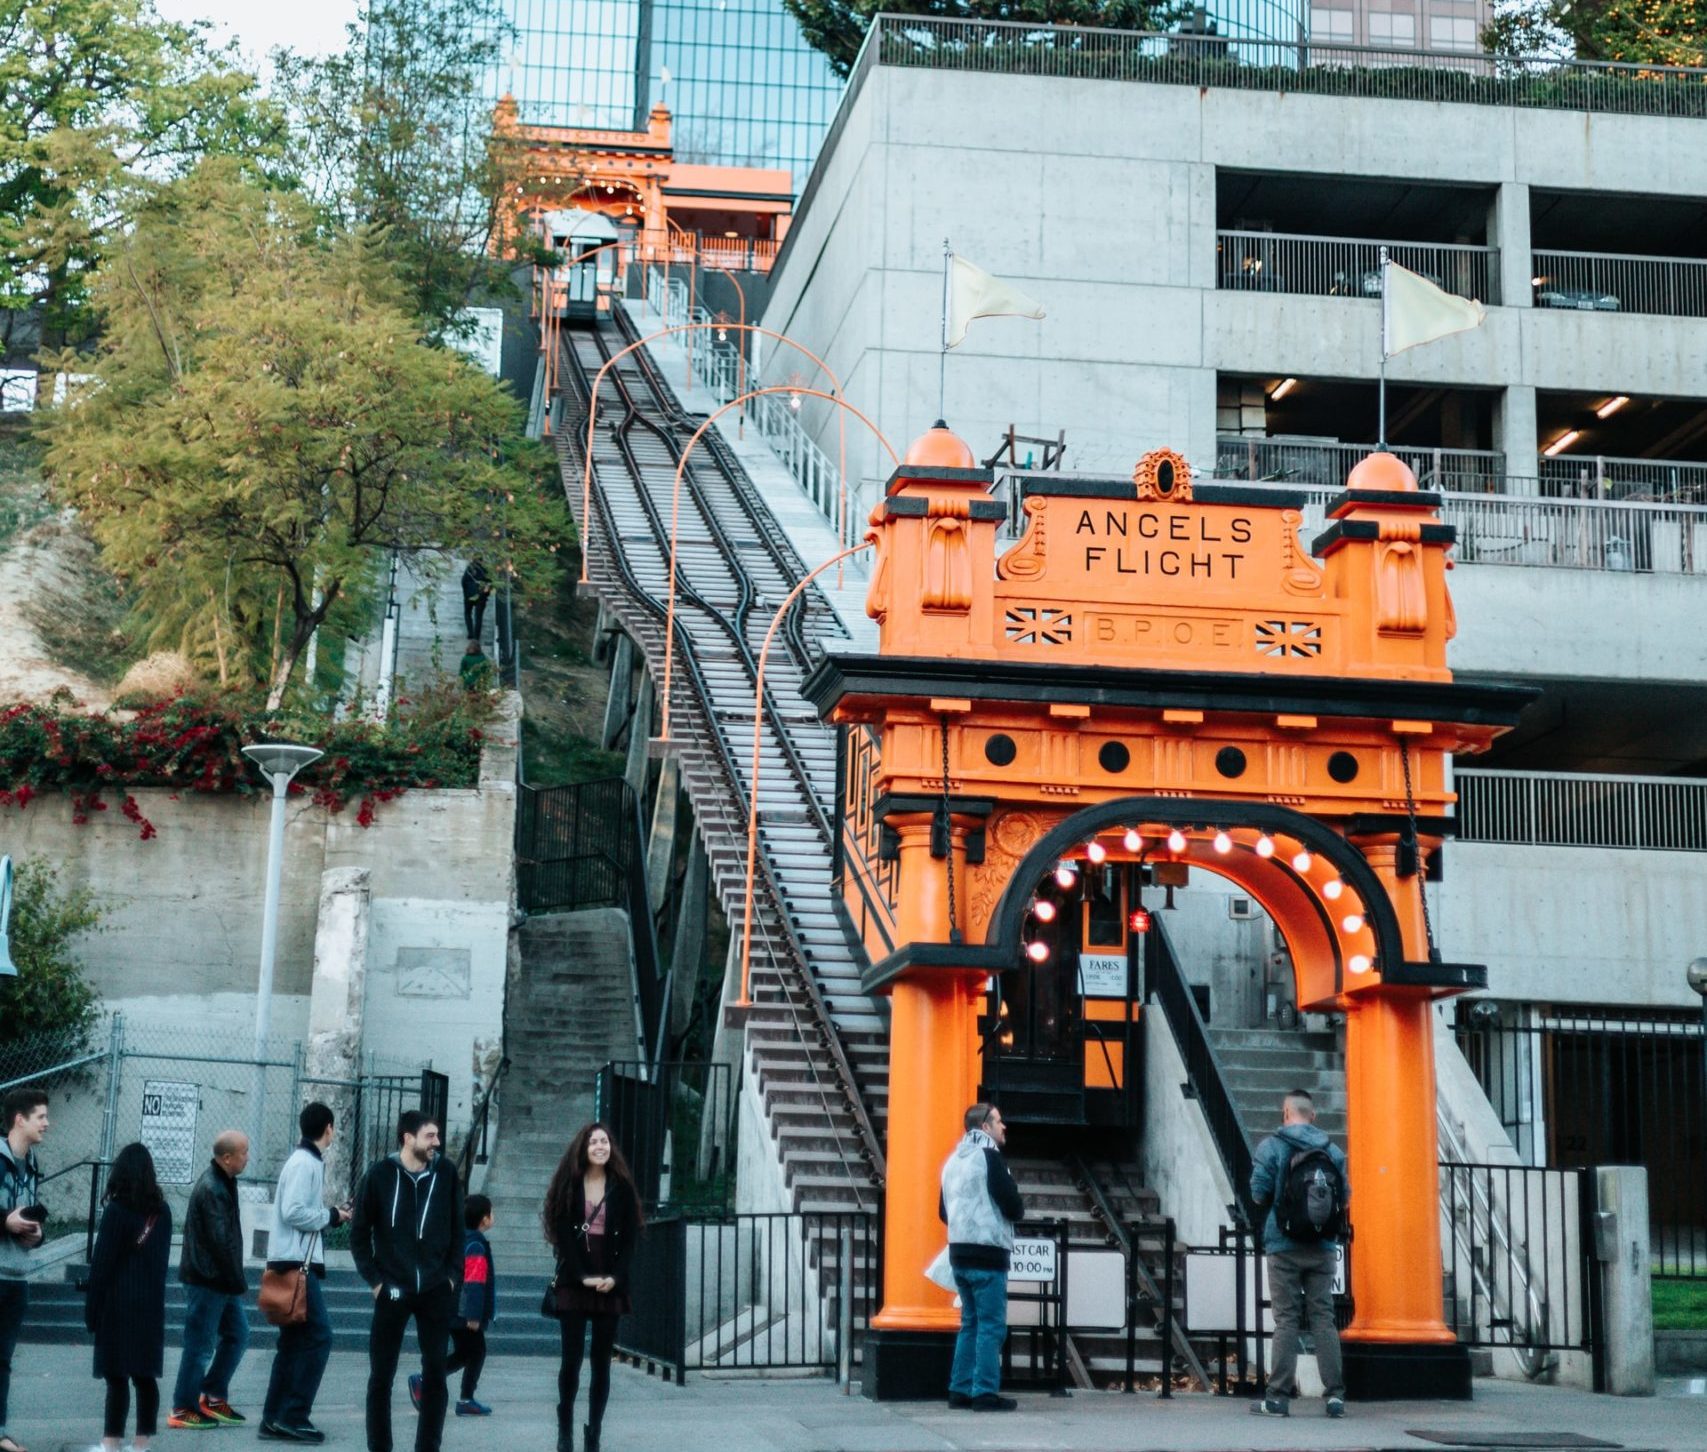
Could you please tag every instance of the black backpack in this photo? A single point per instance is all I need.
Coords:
(1311, 1203)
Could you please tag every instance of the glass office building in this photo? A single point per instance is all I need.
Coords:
(742, 85)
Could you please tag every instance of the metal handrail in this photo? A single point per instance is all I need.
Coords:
(1620, 282)
(1203, 1070)
(482, 1119)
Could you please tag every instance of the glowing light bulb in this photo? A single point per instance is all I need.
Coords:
(1131, 841)
(1301, 863)
(1223, 843)
(1043, 910)
(1332, 888)
(1352, 922)
(723, 335)
(1265, 845)
(1096, 852)
(1066, 874)
(1037, 952)
(1359, 963)
(1176, 840)
(794, 402)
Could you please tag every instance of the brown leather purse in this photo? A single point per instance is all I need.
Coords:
(284, 1293)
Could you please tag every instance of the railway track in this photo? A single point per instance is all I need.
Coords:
(815, 1040)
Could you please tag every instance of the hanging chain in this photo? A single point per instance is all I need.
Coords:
(1416, 848)
(947, 821)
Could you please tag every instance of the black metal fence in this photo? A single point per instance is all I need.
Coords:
(583, 846)
(752, 1292)
(1576, 1087)
(675, 1122)
(1518, 1252)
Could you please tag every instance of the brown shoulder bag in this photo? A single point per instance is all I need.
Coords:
(284, 1293)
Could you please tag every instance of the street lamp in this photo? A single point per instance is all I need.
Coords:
(8, 969)
(278, 761)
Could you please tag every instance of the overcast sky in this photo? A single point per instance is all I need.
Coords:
(313, 27)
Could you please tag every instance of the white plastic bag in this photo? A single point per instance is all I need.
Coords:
(939, 1273)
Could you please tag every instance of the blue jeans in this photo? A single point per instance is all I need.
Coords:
(983, 1328)
(210, 1317)
(300, 1363)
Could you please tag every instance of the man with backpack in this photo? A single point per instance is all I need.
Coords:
(1299, 1177)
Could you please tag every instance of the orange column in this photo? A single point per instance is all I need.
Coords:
(933, 1076)
(1391, 1140)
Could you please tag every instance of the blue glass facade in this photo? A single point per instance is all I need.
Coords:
(743, 87)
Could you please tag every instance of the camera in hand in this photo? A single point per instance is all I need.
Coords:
(37, 1213)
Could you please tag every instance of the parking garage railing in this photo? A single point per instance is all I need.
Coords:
(1195, 59)
(1348, 266)
(1609, 283)
(1581, 809)
(1600, 476)
(1325, 463)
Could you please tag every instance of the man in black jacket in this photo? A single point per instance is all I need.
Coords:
(406, 1238)
(211, 1268)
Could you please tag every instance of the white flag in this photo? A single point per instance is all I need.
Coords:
(1414, 310)
(973, 293)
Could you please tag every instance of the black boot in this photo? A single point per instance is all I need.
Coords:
(590, 1435)
(566, 1439)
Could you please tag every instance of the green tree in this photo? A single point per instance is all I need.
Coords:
(837, 27)
(1646, 32)
(49, 995)
(395, 133)
(264, 425)
(100, 100)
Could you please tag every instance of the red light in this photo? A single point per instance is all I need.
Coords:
(1138, 920)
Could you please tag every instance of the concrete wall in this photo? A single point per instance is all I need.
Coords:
(181, 940)
(1177, 1157)
(1575, 925)
(1098, 198)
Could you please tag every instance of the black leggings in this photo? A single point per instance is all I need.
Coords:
(575, 1325)
(118, 1405)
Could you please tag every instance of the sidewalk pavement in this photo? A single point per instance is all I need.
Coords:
(56, 1408)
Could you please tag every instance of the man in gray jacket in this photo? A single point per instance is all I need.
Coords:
(1299, 1175)
(980, 1203)
(23, 1125)
(300, 1219)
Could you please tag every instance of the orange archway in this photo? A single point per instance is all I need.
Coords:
(1159, 670)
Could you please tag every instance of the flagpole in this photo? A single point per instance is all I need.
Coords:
(1381, 412)
(942, 356)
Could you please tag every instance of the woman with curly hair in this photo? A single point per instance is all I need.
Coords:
(126, 1305)
(592, 1219)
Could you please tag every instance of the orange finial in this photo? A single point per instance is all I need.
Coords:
(939, 447)
(1382, 471)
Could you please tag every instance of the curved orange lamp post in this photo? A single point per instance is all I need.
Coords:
(598, 381)
(746, 999)
(676, 503)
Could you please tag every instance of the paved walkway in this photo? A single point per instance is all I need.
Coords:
(56, 1406)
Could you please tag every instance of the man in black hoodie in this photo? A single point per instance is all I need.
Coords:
(406, 1238)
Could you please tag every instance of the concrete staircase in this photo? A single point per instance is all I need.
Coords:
(1260, 1065)
(570, 1011)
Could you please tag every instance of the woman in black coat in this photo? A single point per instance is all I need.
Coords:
(592, 1219)
(126, 1307)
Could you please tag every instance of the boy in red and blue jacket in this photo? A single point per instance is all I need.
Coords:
(476, 1308)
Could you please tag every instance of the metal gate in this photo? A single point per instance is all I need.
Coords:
(1576, 1087)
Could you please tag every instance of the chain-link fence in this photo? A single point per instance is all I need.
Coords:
(174, 1087)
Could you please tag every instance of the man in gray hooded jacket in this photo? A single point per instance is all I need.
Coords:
(1300, 1272)
(980, 1203)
